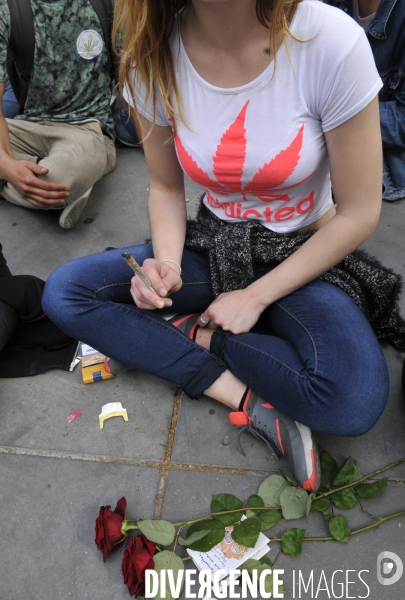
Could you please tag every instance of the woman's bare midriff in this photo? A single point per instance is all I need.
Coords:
(321, 221)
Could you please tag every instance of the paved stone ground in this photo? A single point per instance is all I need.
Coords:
(168, 459)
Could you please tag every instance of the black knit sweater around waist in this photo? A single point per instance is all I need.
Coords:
(234, 248)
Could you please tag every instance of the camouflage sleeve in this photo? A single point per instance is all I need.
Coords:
(4, 35)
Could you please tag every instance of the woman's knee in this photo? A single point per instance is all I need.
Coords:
(355, 402)
(56, 293)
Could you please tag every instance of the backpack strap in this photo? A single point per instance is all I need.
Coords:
(20, 53)
(105, 12)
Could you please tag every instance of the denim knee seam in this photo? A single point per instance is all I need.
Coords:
(197, 283)
(287, 312)
(106, 287)
(269, 356)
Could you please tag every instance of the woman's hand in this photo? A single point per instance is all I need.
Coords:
(164, 278)
(234, 311)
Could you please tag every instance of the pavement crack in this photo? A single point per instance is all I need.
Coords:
(165, 469)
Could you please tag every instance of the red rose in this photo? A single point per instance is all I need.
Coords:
(137, 558)
(108, 527)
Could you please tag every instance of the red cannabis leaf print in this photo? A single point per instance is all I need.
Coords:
(229, 162)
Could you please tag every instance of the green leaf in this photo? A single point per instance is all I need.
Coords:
(294, 503)
(223, 502)
(159, 532)
(246, 533)
(269, 518)
(370, 490)
(321, 504)
(250, 565)
(266, 561)
(329, 469)
(209, 524)
(327, 516)
(194, 537)
(291, 541)
(339, 528)
(255, 501)
(169, 563)
(289, 475)
(344, 499)
(270, 490)
(347, 474)
(269, 582)
(216, 534)
(264, 564)
(309, 502)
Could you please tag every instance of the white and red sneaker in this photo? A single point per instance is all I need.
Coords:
(283, 435)
(188, 324)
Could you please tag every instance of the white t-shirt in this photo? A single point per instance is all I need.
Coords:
(259, 149)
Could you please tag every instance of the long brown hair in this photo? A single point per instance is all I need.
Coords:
(141, 33)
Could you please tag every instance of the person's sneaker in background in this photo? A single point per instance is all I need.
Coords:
(72, 212)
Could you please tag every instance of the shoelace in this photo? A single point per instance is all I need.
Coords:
(237, 432)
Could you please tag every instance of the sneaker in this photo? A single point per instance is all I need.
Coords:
(125, 131)
(188, 324)
(113, 366)
(72, 212)
(281, 434)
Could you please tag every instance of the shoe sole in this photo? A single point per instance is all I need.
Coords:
(138, 145)
(72, 212)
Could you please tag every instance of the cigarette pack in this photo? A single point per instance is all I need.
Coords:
(95, 373)
(93, 365)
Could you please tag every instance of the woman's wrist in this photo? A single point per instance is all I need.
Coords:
(263, 291)
(172, 262)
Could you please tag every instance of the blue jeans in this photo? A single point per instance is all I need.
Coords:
(321, 363)
(10, 105)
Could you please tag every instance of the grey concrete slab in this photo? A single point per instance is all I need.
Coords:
(201, 428)
(34, 243)
(188, 493)
(48, 509)
(188, 496)
(33, 414)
